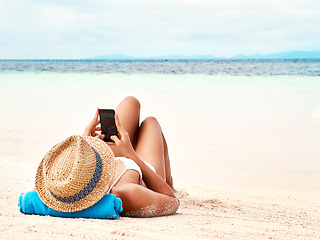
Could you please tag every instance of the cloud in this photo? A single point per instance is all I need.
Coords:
(72, 29)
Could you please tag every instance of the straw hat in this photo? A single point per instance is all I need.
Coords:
(75, 174)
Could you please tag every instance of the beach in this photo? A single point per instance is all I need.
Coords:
(206, 212)
(244, 151)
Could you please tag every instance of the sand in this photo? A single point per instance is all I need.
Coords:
(253, 140)
(206, 212)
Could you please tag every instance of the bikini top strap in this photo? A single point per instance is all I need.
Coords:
(115, 182)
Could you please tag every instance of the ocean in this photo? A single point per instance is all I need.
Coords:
(253, 67)
(227, 122)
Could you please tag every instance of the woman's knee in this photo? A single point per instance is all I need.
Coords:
(132, 101)
(151, 121)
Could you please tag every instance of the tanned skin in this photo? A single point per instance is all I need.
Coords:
(143, 144)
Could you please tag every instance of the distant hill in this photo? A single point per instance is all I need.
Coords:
(171, 57)
(281, 55)
(112, 56)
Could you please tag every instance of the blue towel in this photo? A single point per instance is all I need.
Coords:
(108, 207)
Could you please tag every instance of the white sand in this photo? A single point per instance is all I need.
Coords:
(224, 130)
(249, 133)
(206, 212)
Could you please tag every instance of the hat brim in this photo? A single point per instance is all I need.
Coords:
(101, 188)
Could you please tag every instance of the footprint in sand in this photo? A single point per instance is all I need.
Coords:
(123, 233)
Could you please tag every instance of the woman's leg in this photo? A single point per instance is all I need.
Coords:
(128, 111)
(169, 179)
(153, 149)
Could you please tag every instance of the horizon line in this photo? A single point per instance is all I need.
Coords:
(291, 54)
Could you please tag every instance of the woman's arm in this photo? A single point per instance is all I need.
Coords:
(139, 201)
(152, 180)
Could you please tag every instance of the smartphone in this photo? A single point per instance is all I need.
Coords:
(108, 125)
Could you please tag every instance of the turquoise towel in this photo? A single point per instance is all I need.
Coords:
(108, 207)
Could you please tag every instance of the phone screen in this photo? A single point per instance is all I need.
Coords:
(108, 126)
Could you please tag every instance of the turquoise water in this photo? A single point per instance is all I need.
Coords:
(221, 129)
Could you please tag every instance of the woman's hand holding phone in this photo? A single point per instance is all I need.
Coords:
(121, 146)
(93, 130)
(123, 142)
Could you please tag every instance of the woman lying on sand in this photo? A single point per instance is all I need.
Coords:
(77, 172)
(142, 177)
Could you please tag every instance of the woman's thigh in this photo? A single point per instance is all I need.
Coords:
(150, 146)
(128, 111)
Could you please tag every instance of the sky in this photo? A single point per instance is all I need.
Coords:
(71, 29)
